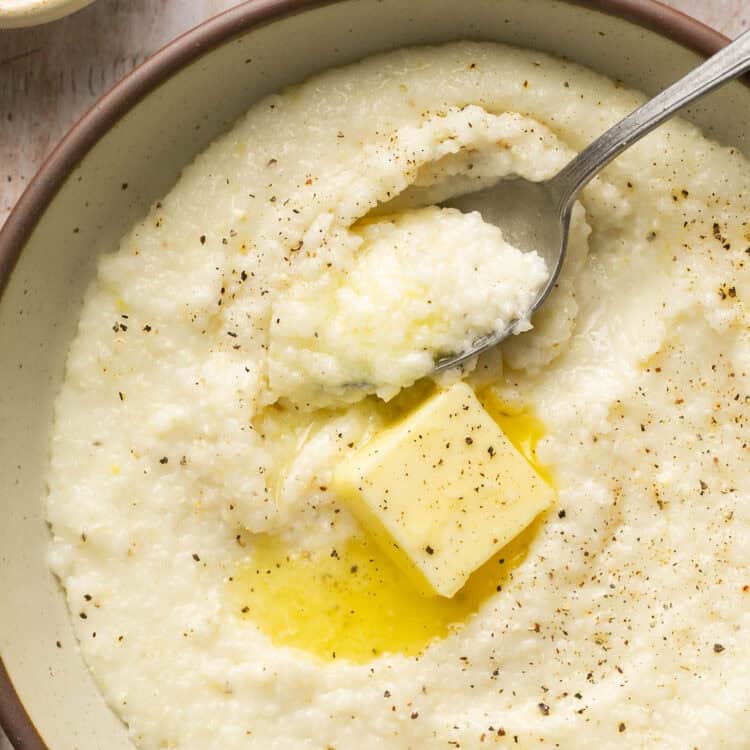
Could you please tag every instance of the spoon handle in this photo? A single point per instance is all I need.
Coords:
(725, 65)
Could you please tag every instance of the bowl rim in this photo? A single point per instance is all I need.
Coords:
(174, 56)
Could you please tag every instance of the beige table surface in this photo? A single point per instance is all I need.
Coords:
(51, 74)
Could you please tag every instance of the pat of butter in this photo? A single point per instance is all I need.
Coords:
(442, 490)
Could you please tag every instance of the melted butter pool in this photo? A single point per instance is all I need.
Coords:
(351, 602)
(522, 427)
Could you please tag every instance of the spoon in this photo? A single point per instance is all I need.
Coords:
(536, 215)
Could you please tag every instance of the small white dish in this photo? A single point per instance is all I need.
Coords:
(18, 13)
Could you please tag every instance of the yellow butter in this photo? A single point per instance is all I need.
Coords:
(443, 490)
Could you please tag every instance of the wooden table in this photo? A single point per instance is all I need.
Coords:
(51, 74)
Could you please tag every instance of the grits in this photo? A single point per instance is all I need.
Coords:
(623, 622)
(423, 283)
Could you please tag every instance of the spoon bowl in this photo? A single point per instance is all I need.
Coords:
(532, 217)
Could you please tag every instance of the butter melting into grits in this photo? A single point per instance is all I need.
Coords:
(353, 602)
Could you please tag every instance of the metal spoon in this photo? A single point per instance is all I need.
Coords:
(536, 215)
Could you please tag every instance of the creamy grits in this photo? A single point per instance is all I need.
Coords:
(421, 284)
(223, 595)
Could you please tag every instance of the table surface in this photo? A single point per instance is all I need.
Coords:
(51, 74)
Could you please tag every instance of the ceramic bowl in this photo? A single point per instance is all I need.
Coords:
(140, 135)
(17, 13)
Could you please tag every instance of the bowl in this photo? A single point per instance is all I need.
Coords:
(17, 13)
(128, 151)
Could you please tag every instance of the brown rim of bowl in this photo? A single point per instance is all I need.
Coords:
(79, 140)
